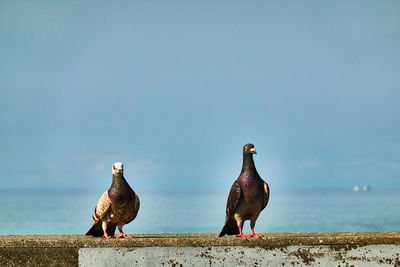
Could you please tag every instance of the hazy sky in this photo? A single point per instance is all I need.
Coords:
(174, 89)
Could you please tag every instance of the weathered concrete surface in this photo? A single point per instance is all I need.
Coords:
(56, 250)
(371, 255)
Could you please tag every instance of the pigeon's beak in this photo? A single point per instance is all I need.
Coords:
(253, 150)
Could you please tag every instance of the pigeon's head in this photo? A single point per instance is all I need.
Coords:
(117, 168)
(249, 149)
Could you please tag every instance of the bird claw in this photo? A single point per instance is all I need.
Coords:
(122, 235)
(243, 236)
(106, 237)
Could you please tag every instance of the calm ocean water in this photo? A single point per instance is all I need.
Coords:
(69, 212)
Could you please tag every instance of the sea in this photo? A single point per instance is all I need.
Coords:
(48, 211)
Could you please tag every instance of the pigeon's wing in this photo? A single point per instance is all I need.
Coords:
(266, 195)
(137, 204)
(102, 209)
(233, 199)
(230, 226)
(135, 208)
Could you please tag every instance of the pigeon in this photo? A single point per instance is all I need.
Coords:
(249, 195)
(118, 206)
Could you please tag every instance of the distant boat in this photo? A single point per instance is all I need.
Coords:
(364, 188)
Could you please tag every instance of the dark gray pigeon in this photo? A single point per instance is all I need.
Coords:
(116, 207)
(248, 197)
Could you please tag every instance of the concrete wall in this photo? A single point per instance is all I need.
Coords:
(278, 249)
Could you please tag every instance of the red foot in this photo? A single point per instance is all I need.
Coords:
(243, 236)
(122, 235)
(254, 234)
(106, 236)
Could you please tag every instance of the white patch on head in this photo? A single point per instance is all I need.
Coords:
(117, 167)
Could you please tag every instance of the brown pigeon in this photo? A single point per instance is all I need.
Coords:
(116, 207)
(249, 195)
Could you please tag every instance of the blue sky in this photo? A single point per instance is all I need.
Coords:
(175, 89)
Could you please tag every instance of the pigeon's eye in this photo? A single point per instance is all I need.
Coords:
(246, 148)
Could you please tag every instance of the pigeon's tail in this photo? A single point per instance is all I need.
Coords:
(97, 230)
(230, 227)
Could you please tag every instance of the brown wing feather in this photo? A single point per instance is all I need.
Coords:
(102, 209)
(230, 226)
(266, 195)
(136, 208)
(233, 199)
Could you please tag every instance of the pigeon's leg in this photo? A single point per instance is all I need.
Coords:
(241, 234)
(252, 224)
(121, 233)
(104, 226)
(240, 226)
